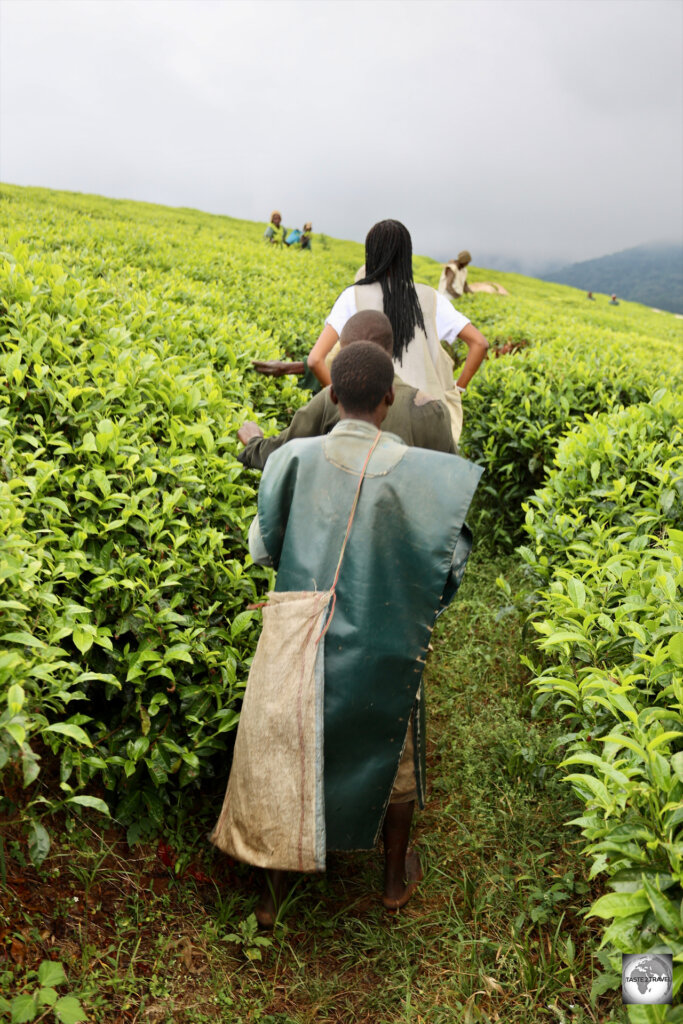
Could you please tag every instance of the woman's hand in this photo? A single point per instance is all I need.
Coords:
(322, 348)
(277, 367)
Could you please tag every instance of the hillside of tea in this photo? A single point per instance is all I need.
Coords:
(552, 836)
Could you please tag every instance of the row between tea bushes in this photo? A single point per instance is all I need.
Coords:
(605, 553)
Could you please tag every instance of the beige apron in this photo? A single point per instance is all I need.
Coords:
(425, 364)
(457, 284)
(273, 812)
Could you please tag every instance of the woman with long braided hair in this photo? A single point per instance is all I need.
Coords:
(420, 318)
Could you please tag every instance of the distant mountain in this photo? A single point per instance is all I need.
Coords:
(651, 274)
(529, 266)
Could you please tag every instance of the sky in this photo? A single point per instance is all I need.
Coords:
(527, 131)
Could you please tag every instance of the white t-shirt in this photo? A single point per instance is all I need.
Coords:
(449, 322)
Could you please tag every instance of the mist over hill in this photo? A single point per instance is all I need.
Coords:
(651, 274)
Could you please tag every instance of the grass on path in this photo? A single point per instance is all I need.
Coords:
(495, 932)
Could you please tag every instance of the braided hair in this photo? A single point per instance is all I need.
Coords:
(389, 260)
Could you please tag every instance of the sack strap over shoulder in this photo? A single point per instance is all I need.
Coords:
(333, 589)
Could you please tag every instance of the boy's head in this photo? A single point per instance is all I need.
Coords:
(362, 382)
(368, 325)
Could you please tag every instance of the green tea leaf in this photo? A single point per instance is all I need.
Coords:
(241, 622)
(676, 649)
(82, 639)
(15, 699)
(667, 913)
(23, 638)
(16, 731)
(90, 801)
(577, 592)
(74, 732)
(619, 904)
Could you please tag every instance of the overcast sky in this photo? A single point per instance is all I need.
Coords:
(529, 129)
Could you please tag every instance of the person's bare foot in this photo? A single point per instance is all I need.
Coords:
(271, 898)
(414, 872)
(397, 895)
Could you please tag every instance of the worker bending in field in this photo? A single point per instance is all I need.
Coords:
(276, 231)
(418, 419)
(453, 280)
(371, 534)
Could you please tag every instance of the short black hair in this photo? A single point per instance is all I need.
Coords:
(362, 374)
(369, 325)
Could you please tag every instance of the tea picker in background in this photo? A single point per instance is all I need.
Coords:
(614, 301)
(301, 239)
(329, 753)
(590, 296)
(453, 279)
(420, 317)
(275, 232)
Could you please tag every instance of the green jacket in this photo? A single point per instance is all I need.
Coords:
(404, 560)
(418, 419)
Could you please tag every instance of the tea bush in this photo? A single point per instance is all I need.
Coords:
(517, 408)
(126, 339)
(606, 551)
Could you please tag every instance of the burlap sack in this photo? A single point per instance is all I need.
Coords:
(273, 813)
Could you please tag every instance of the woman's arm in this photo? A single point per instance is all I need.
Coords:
(477, 346)
(322, 348)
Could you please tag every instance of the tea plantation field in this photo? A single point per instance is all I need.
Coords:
(126, 337)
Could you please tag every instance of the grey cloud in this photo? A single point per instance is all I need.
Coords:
(543, 130)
